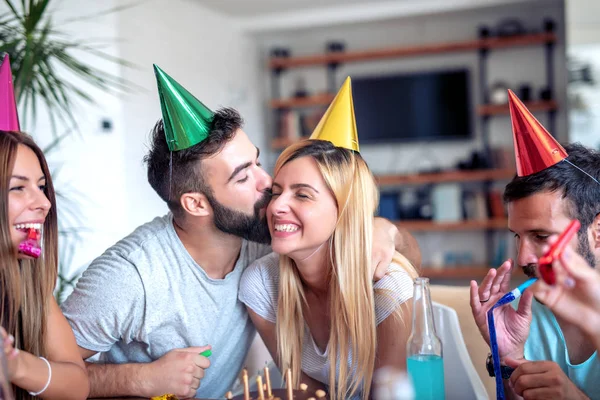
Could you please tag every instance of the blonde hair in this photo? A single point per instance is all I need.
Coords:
(26, 286)
(352, 299)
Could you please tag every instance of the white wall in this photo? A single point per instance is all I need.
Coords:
(90, 164)
(204, 51)
(584, 115)
(583, 36)
(583, 18)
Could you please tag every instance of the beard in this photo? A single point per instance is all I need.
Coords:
(583, 249)
(530, 270)
(250, 227)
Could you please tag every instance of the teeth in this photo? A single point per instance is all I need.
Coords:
(286, 228)
(29, 226)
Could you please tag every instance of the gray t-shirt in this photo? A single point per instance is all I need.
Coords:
(146, 296)
(259, 290)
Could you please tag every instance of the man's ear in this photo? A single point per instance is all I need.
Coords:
(195, 204)
(595, 232)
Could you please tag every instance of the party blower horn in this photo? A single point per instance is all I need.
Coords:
(30, 246)
(545, 262)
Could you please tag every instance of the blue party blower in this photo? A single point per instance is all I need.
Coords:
(507, 298)
(515, 293)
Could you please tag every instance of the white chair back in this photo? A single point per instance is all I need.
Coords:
(460, 377)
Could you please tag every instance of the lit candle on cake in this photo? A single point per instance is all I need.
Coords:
(268, 381)
(290, 390)
(259, 385)
(246, 387)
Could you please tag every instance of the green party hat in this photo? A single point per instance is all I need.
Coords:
(186, 120)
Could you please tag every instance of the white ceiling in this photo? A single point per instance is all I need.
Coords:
(253, 8)
(273, 15)
(581, 11)
(583, 16)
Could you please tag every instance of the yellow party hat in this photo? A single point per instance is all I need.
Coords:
(338, 125)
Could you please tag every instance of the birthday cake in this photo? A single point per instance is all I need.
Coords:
(281, 394)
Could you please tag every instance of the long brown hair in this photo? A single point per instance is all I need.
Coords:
(26, 285)
(352, 298)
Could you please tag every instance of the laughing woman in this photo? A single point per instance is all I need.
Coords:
(314, 302)
(42, 357)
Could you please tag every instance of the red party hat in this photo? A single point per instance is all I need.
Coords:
(535, 148)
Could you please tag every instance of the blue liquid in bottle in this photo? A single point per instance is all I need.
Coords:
(427, 375)
(424, 351)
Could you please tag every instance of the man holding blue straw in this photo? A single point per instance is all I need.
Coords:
(542, 355)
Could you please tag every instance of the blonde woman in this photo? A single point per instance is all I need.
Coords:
(314, 302)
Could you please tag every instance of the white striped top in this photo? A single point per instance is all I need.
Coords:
(259, 290)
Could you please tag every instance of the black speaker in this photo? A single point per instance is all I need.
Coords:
(283, 52)
(549, 25)
(524, 92)
(484, 31)
(335, 47)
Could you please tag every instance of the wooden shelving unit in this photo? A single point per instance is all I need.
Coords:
(466, 225)
(412, 51)
(499, 109)
(318, 100)
(475, 272)
(485, 112)
(282, 143)
(447, 176)
(325, 99)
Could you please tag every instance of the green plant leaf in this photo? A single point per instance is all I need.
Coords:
(40, 53)
(48, 74)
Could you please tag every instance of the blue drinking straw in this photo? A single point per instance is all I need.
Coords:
(507, 298)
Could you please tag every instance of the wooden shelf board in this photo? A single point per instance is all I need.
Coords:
(469, 272)
(411, 51)
(466, 225)
(318, 100)
(447, 176)
(533, 106)
(282, 143)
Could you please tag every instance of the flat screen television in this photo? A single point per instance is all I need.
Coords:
(423, 106)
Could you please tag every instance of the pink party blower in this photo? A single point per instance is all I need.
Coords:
(30, 246)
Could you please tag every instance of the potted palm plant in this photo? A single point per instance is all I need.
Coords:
(38, 50)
